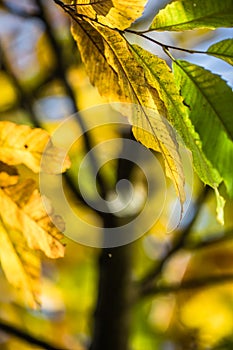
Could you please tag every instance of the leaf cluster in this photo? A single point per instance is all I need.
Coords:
(195, 101)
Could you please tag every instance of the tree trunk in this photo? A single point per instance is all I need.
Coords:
(114, 301)
(112, 314)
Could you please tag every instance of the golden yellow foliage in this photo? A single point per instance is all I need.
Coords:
(20, 264)
(21, 144)
(118, 14)
(25, 225)
(116, 73)
(8, 92)
(8, 175)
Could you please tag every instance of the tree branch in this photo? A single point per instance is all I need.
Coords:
(113, 309)
(150, 277)
(202, 282)
(26, 100)
(164, 46)
(29, 338)
(211, 240)
(70, 9)
(61, 72)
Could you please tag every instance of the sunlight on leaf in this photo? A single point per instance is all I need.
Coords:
(191, 14)
(155, 132)
(25, 226)
(23, 210)
(220, 206)
(160, 77)
(116, 73)
(24, 223)
(206, 92)
(118, 14)
(223, 50)
(8, 175)
(21, 144)
(20, 264)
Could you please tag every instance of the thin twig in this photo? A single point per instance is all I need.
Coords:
(164, 46)
(70, 9)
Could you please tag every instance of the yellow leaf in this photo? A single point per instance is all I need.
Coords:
(20, 144)
(20, 265)
(116, 73)
(8, 92)
(220, 206)
(118, 14)
(156, 133)
(22, 209)
(8, 175)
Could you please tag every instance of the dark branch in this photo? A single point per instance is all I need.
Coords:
(164, 46)
(211, 240)
(16, 332)
(203, 282)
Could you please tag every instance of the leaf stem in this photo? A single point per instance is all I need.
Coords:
(69, 8)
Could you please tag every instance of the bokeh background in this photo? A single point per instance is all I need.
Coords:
(42, 82)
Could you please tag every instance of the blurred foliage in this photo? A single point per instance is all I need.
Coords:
(32, 88)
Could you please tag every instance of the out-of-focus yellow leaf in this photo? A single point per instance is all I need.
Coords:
(8, 93)
(21, 144)
(116, 73)
(22, 209)
(8, 175)
(45, 55)
(25, 225)
(214, 321)
(20, 264)
(118, 14)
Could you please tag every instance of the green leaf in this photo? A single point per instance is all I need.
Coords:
(160, 77)
(190, 14)
(211, 104)
(223, 50)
